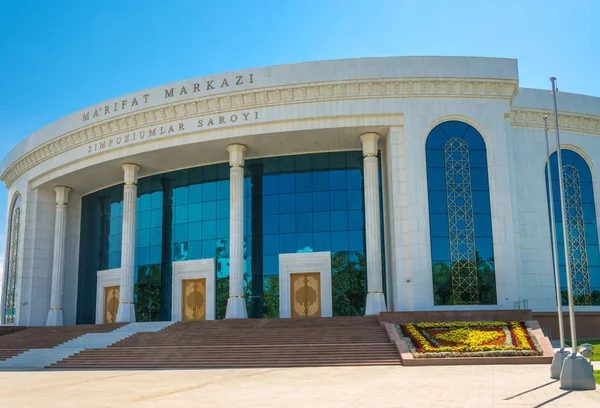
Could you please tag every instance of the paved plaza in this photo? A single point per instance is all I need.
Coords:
(458, 386)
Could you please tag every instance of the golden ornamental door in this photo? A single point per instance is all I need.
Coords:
(305, 294)
(111, 303)
(193, 299)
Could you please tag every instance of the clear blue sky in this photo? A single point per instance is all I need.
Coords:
(60, 56)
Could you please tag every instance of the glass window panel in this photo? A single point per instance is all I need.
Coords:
(339, 221)
(156, 236)
(270, 185)
(114, 242)
(354, 160)
(181, 214)
(116, 224)
(143, 237)
(303, 162)
(304, 242)
(321, 201)
(593, 255)
(180, 233)
(304, 202)
(355, 200)
(209, 191)
(194, 250)
(195, 231)
(354, 179)
(483, 225)
(436, 178)
(287, 203)
(437, 202)
(287, 164)
(440, 249)
(454, 128)
(287, 223)
(271, 265)
(303, 182)
(587, 192)
(435, 158)
(114, 260)
(320, 161)
(478, 160)
(322, 241)
(195, 212)
(223, 228)
(591, 234)
(271, 205)
(304, 222)
(157, 200)
(473, 139)
(356, 241)
(209, 173)
(337, 160)
(339, 241)
(222, 189)
(209, 249)
(271, 224)
(156, 218)
(155, 254)
(144, 202)
(287, 243)
(209, 229)
(484, 247)
(481, 202)
(209, 210)
(287, 183)
(222, 209)
(338, 200)
(589, 213)
(180, 196)
(320, 180)
(321, 221)
(337, 180)
(436, 139)
(355, 220)
(271, 244)
(195, 193)
(439, 225)
(479, 180)
(143, 256)
(144, 218)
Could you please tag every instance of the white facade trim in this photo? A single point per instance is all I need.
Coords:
(105, 278)
(196, 269)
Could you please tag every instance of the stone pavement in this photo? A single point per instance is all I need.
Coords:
(454, 386)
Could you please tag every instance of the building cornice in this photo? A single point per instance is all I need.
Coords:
(567, 121)
(265, 97)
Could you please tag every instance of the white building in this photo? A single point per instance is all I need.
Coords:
(335, 187)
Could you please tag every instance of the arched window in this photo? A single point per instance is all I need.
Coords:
(584, 257)
(459, 216)
(10, 296)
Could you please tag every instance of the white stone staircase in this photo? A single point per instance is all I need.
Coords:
(37, 359)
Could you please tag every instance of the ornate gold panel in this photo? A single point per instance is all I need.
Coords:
(111, 303)
(305, 294)
(193, 299)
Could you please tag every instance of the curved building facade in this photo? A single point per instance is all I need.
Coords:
(333, 188)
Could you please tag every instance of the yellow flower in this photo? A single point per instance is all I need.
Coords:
(469, 337)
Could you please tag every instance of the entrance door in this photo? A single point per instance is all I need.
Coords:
(193, 299)
(305, 294)
(111, 303)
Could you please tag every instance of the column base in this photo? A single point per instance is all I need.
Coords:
(55, 317)
(126, 313)
(557, 363)
(577, 374)
(236, 308)
(375, 304)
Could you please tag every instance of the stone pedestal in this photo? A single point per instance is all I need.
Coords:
(375, 298)
(557, 363)
(55, 314)
(236, 304)
(577, 374)
(126, 312)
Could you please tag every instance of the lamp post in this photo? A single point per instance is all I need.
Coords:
(577, 372)
(560, 355)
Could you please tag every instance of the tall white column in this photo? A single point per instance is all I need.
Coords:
(375, 298)
(126, 312)
(236, 304)
(55, 314)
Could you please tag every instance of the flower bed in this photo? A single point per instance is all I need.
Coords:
(470, 339)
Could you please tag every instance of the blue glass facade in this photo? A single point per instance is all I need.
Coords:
(459, 216)
(581, 227)
(300, 203)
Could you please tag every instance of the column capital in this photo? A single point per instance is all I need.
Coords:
(369, 143)
(62, 194)
(130, 171)
(236, 154)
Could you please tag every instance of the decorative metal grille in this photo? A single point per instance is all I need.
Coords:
(463, 263)
(578, 260)
(10, 309)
